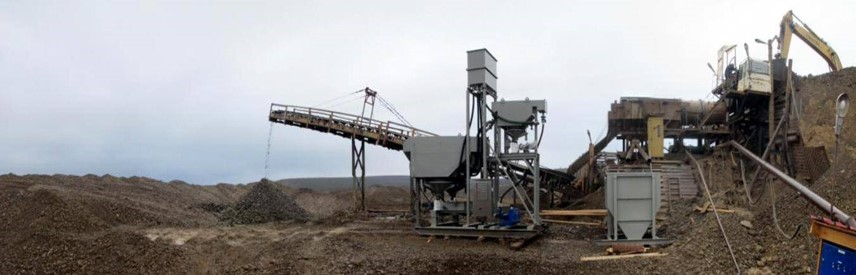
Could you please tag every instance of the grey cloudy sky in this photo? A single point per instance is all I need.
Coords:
(181, 90)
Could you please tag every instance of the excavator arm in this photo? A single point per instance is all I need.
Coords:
(789, 27)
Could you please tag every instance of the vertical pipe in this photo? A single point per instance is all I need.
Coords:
(498, 148)
(467, 155)
(771, 109)
(536, 177)
(786, 116)
(483, 130)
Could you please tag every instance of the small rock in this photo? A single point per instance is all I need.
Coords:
(746, 224)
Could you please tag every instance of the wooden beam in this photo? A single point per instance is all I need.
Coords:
(703, 210)
(571, 222)
(833, 234)
(615, 257)
(388, 210)
(584, 212)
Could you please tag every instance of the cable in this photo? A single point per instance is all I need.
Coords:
(337, 98)
(346, 102)
(746, 186)
(386, 104)
(776, 219)
(600, 135)
(715, 213)
(464, 144)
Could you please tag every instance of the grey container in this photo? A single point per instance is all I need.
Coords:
(632, 201)
(481, 69)
(481, 76)
(518, 112)
(437, 157)
(481, 58)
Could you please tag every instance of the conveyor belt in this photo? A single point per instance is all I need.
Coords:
(387, 134)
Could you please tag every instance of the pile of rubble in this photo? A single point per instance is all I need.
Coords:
(264, 203)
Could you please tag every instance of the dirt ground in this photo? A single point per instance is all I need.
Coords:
(106, 224)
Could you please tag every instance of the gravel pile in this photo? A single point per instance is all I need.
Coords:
(265, 202)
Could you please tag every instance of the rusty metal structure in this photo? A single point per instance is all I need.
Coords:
(358, 128)
(758, 121)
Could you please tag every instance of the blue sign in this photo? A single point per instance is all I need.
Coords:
(836, 259)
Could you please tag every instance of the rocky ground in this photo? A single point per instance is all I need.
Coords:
(104, 224)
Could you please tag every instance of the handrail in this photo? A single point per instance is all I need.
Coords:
(390, 127)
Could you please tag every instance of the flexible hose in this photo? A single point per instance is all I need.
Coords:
(776, 219)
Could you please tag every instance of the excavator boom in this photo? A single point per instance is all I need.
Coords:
(790, 27)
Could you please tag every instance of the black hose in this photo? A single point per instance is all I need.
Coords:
(464, 144)
(776, 218)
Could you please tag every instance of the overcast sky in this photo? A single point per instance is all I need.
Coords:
(175, 90)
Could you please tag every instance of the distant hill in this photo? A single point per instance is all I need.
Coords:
(334, 183)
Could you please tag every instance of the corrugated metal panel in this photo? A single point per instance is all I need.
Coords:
(810, 162)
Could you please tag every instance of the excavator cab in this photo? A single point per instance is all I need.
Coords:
(754, 77)
(750, 77)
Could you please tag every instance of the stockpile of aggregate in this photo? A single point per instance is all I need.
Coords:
(265, 202)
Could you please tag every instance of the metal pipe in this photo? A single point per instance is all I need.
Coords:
(536, 196)
(771, 108)
(812, 197)
(468, 122)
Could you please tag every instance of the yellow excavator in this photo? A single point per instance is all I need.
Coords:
(754, 76)
(789, 27)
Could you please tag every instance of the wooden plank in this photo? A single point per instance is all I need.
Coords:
(586, 212)
(615, 257)
(388, 210)
(703, 209)
(833, 234)
(571, 222)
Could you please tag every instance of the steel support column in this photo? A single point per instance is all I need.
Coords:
(358, 164)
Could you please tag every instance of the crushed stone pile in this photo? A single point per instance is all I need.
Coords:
(265, 202)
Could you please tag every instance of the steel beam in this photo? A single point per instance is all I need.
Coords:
(358, 164)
